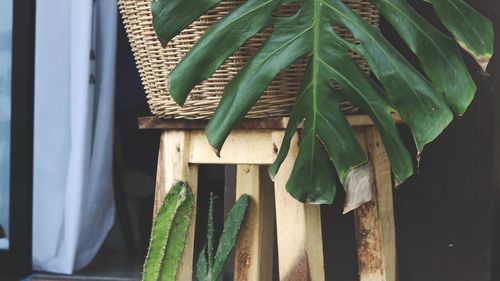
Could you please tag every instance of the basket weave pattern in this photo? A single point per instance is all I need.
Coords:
(154, 62)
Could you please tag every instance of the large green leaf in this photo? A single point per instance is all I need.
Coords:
(329, 151)
(438, 53)
(207, 55)
(171, 17)
(471, 30)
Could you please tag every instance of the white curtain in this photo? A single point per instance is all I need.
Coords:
(74, 97)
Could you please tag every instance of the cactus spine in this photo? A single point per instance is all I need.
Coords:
(211, 270)
(169, 234)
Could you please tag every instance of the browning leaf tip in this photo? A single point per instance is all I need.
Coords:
(216, 151)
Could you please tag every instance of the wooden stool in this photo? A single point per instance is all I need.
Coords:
(252, 145)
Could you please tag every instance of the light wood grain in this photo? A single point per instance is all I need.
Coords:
(150, 122)
(173, 166)
(240, 147)
(300, 247)
(375, 229)
(253, 259)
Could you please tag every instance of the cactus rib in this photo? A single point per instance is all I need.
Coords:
(168, 235)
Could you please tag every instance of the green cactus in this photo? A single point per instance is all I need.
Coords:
(202, 267)
(211, 231)
(209, 268)
(169, 234)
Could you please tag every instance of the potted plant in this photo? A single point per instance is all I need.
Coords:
(426, 102)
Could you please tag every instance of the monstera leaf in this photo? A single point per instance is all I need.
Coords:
(329, 151)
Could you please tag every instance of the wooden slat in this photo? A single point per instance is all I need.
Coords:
(241, 147)
(299, 235)
(375, 229)
(150, 122)
(172, 167)
(253, 259)
(300, 248)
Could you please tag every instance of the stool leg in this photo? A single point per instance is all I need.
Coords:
(300, 248)
(375, 230)
(253, 259)
(173, 166)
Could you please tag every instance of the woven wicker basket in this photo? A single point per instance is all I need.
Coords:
(154, 62)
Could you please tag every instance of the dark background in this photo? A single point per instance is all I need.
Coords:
(447, 215)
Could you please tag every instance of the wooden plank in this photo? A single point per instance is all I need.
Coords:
(229, 200)
(300, 248)
(172, 167)
(268, 223)
(241, 147)
(150, 122)
(375, 230)
(253, 260)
